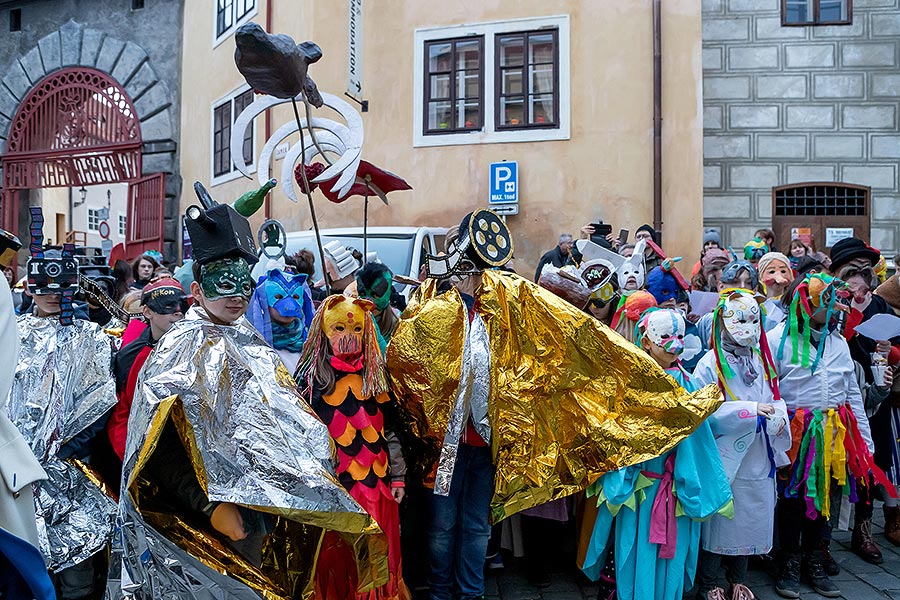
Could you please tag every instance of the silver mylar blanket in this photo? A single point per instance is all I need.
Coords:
(63, 385)
(261, 447)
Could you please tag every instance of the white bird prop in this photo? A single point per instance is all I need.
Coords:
(323, 138)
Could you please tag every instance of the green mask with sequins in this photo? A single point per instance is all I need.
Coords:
(226, 278)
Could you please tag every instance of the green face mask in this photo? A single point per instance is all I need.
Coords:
(226, 278)
(379, 292)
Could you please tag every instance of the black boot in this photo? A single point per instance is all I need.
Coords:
(788, 583)
(828, 563)
(817, 577)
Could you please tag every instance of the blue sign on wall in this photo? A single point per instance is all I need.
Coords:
(504, 184)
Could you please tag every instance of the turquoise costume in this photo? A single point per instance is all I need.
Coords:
(638, 501)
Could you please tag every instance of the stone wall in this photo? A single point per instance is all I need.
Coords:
(141, 49)
(787, 105)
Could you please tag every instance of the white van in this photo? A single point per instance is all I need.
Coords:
(402, 249)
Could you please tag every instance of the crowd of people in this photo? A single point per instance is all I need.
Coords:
(192, 431)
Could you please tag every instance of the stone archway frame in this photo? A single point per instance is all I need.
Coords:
(75, 45)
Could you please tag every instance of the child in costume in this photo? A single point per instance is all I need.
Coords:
(752, 435)
(629, 311)
(655, 507)
(60, 400)
(163, 303)
(831, 441)
(342, 371)
(281, 309)
(228, 485)
(375, 282)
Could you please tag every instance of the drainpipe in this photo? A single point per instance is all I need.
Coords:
(657, 121)
(268, 118)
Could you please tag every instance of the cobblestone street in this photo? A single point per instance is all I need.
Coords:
(858, 580)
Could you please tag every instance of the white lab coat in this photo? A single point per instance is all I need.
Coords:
(18, 466)
(746, 460)
(832, 385)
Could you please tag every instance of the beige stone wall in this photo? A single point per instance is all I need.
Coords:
(604, 170)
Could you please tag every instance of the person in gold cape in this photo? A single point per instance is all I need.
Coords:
(558, 397)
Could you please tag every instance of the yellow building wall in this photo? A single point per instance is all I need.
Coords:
(604, 170)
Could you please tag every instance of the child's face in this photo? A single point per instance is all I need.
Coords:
(662, 357)
(47, 304)
(223, 311)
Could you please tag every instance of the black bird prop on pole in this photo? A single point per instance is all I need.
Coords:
(277, 66)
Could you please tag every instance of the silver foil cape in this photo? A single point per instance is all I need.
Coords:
(471, 399)
(261, 446)
(63, 385)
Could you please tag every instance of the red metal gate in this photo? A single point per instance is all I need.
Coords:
(144, 223)
(77, 127)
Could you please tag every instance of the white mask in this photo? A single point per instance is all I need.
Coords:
(742, 318)
(665, 328)
(632, 269)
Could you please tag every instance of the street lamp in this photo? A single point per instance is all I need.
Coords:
(82, 193)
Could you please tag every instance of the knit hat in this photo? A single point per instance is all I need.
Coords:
(714, 255)
(849, 248)
(808, 263)
(711, 235)
(769, 257)
(646, 227)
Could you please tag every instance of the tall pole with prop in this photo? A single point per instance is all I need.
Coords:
(276, 67)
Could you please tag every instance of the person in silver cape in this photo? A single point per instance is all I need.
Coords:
(228, 481)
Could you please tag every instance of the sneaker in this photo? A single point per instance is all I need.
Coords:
(788, 583)
(495, 563)
(818, 579)
(828, 563)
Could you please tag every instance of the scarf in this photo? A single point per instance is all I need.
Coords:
(744, 355)
(290, 337)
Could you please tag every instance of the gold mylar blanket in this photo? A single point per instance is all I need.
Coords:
(569, 399)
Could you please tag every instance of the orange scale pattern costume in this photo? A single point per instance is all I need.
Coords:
(342, 369)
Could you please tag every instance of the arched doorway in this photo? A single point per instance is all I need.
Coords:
(78, 127)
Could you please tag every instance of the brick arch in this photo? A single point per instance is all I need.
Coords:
(130, 68)
(76, 126)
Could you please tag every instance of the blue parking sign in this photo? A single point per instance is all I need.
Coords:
(504, 183)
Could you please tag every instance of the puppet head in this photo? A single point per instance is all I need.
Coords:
(484, 242)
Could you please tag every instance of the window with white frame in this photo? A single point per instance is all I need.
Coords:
(231, 14)
(501, 81)
(122, 229)
(224, 113)
(93, 219)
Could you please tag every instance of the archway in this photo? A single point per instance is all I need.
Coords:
(85, 152)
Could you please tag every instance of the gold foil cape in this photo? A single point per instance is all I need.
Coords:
(569, 399)
(251, 440)
(63, 385)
